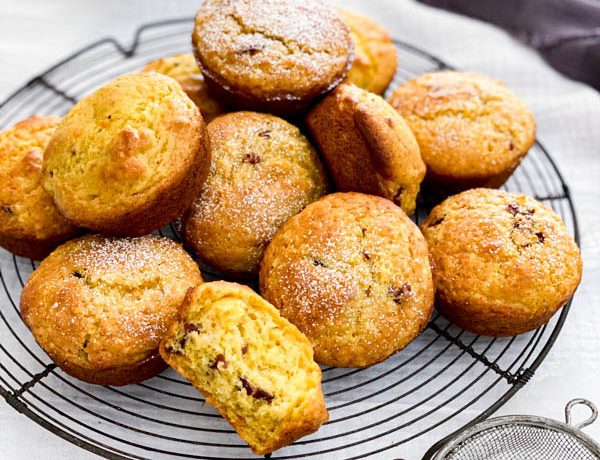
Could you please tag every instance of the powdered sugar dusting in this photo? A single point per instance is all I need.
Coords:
(334, 270)
(468, 126)
(271, 48)
(106, 302)
(264, 171)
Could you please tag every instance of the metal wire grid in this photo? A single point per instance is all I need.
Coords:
(521, 441)
(445, 379)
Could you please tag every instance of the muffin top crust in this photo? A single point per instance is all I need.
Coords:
(273, 49)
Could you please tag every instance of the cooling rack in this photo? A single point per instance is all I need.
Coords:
(443, 381)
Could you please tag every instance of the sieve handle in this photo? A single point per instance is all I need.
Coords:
(591, 419)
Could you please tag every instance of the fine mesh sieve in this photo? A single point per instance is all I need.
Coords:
(520, 437)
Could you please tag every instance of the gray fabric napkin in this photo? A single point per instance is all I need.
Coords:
(565, 32)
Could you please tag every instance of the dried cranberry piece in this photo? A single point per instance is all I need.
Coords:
(251, 158)
(220, 359)
(190, 327)
(399, 293)
(256, 393)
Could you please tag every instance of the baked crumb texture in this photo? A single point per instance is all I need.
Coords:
(99, 306)
(30, 225)
(352, 272)
(251, 364)
(503, 262)
(472, 130)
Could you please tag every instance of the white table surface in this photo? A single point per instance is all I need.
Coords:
(35, 34)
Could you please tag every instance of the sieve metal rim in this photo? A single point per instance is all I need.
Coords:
(529, 420)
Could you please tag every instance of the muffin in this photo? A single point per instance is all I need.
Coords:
(472, 131)
(183, 68)
(273, 55)
(255, 367)
(503, 262)
(30, 225)
(374, 63)
(99, 306)
(128, 158)
(263, 172)
(352, 272)
(367, 146)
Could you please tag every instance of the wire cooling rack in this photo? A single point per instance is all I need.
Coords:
(446, 379)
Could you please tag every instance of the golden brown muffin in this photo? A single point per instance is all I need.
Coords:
(255, 367)
(503, 262)
(472, 131)
(264, 171)
(30, 225)
(352, 272)
(99, 306)
(184, 69)
(375, 55)
(128, 158)
(273, 55)
(367, 146)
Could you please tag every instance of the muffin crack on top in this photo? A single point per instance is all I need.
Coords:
(270, 55)
(288, 42)
(107, 287)
(472, 131)
(290, 45)
(481, 101)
